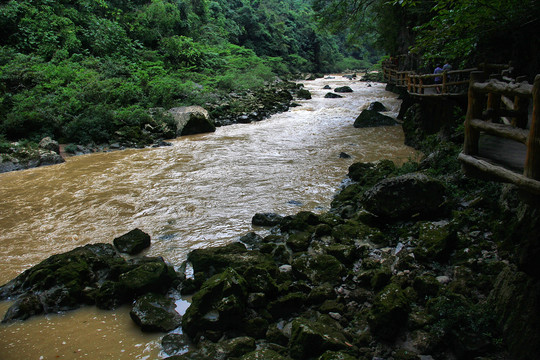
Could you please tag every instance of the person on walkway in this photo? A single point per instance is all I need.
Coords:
(438, 79)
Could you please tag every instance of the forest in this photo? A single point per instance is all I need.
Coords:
(90, 71)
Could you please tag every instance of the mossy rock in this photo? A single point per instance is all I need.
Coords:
(368, 174)
(426, 286)
(58, 282)
(218, 306)
(303, 94)
(286, 305)
(299, 241)
(389, 312)
(214, 260)
(238, 346)
(265, 354)
(346, 254)
(260, 281)
(312, 338)
(154, 312)
(153, 276)
(321, 293)
(319, 268)
(302, 221)
(435, 241)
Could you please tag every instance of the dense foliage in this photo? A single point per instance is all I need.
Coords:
(89, 71)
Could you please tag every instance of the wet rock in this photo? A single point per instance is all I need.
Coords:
(389, 312)
(63, 281)
(312, 338)
(287, 304)
(302, 221)
(303, 94)
(25, 307)
(327, 87)
(210, 261)
(299, 241)
(405, 196)
(377, 106)
(343, 155)
(238, 346)
(154, 275)
(218, 306)
(252, 239)
(49, 144)
(371, 118)
(132, 242)
(343, 89)
(154, 312)
(266, 219)
(319, 268)
(332, 95)
(173, 344)
(191, 120)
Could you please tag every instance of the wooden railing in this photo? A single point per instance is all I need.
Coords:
(453, 81)
(499, 108)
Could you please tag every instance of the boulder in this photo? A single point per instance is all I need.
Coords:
(191, 120)
(62, 281)
(327, 87)
(331, 95)
(132, 242)
(154, 312)
(343, 89)
(173, 344)
(310, 339)
(218, 306)
(266, 219)
(152, 275)
(49, 144)
(405, 196)
(303, 94)
(371, 118)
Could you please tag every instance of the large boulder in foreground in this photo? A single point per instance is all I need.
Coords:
(371, 118)
(343, 89)
(404, 197)
(192, 120)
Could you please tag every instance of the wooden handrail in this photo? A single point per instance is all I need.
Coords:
(495, 93)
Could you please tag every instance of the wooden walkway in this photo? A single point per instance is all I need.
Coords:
(502, 139)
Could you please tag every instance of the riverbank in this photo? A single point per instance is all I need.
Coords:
(408, 263)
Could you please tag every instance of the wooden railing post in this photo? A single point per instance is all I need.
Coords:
(521, 105)
(421, 86)
(444, 79)
(532, 162)
(474, 111)
(494, 102)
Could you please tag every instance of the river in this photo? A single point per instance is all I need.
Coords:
(202, 191)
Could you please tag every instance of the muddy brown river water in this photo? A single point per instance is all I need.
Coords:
(202, 191)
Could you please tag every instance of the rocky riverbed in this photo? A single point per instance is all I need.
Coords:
(409, 263)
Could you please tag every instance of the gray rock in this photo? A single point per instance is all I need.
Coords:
(49, 144)
(192, 120)
(266, 219)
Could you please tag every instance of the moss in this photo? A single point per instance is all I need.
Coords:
(319, 268)
(389, 312)
(299, 241)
